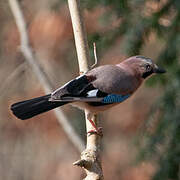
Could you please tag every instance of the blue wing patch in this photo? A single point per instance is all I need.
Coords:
(114, 98)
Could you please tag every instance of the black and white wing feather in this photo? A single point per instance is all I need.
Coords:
(79, 89)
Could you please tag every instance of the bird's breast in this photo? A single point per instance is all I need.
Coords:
(93, 108)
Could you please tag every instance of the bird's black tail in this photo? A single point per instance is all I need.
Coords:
(29, 108)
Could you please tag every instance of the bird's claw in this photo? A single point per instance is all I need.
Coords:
(97, 131)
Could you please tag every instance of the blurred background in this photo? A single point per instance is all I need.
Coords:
(141, 136)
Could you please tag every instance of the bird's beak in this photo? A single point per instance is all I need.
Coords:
(158, 69)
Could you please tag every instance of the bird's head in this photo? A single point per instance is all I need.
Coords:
(143, 66)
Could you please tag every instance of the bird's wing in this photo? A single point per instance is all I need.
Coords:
(78, 89)
(82, 89)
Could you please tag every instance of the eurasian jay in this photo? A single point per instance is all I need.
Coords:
(97, 90)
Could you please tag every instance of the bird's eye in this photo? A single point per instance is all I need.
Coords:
(148, 67)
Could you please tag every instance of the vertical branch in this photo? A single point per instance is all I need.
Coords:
(38, 71)
(90, 157)
(79, 35)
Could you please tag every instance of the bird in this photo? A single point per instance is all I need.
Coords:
(97, 90)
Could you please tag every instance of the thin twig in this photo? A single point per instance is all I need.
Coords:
(90, 157)
(10, 78)
(95, 56)
(38, 71)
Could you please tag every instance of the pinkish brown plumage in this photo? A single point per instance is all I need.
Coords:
(97, 90)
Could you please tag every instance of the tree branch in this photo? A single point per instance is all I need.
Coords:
(38, 71)
(10, 78)
(90, 157)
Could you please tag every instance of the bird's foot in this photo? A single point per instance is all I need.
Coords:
(97, 131)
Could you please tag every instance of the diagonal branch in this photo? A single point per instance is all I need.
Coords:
(10, 78)
(38, 71)
(90, 157)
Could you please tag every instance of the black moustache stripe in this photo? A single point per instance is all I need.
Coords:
(146, 74)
